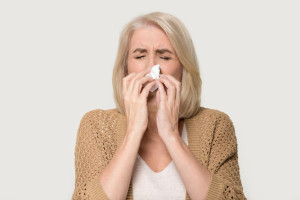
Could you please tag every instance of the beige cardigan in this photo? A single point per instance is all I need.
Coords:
(211, 138)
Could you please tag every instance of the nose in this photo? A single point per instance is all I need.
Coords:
(151, 62)
(149, 67)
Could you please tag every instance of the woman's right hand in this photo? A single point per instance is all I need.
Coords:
(135, 101)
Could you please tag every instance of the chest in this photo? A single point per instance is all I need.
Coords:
(156, 177)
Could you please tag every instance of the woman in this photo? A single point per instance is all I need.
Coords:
(161, 144)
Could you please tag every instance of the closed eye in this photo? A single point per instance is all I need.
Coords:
(166, 58)
(139, 57)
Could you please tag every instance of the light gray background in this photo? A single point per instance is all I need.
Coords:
(57, 57)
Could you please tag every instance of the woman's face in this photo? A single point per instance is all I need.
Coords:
(150, 46)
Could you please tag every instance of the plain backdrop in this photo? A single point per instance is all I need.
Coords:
(57, 57)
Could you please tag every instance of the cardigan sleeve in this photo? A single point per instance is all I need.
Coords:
(223, 163)
(88, 160)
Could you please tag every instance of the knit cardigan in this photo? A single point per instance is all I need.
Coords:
(211, 139)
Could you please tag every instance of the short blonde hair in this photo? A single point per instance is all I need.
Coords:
(182, 43)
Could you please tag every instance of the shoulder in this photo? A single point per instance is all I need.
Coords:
(96, 118)
(215, 123)
(213, 115)
(100, 114)
(220, 126)
(211, 122)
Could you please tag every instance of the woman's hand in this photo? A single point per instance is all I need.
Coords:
(167, 106)
(135, 101)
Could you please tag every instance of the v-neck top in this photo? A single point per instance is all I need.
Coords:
(211, 140)
(163, 185)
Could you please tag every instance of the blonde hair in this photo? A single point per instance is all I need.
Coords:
(182, 43)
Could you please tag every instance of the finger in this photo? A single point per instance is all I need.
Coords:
(146, 89)
(176, 83)
(137, 76)
(139, 85)
(161, 90)
(126, 81)
(171, 92)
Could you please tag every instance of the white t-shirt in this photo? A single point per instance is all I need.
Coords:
(164, 185)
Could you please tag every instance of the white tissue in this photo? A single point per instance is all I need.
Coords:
(155, 75)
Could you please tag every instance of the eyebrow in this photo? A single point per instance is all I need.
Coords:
(160, 51)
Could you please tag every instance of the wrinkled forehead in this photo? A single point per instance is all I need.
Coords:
(150, 38)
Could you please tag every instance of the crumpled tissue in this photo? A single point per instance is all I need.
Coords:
(155, 75)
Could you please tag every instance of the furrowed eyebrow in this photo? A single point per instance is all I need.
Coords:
(140, 50)
(160, 51)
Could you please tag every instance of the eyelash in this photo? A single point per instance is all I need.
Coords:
(165, 58)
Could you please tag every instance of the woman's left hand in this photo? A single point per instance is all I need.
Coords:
(168, 104)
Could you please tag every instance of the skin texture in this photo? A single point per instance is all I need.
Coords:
(162, 141)
(150, 46)
(153, 128)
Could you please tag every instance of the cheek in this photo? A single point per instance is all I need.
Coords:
(132, 66)
(173, 69)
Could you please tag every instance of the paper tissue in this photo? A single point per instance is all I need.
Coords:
(155, 75)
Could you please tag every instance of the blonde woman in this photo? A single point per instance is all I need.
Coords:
(161, 144)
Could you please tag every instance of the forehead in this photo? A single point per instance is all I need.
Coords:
(149, 37)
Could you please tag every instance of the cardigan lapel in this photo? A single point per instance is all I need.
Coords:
(193, 140)
(120, 133)
(121, 128)
(192, 128)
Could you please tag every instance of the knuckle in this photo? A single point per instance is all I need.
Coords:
(134, 78)
(126, 98)
(139, 81)
(149, 85)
